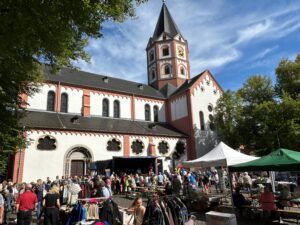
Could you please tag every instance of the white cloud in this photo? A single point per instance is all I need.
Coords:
(253, 31)
(218, 33)
(264, 53)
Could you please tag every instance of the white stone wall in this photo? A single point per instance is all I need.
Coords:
(205, 94)
(145, 141)
(38, 101)
(41, 163)
(140, 109)
(75, 99)
(179, 108)
(167, 164)
(96, 104)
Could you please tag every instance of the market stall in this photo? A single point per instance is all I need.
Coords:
(279, 160)
(221, 155)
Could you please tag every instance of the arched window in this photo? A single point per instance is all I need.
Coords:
(147, 112)
(50, 101)
(202, 125)
(64, 103)
(155, 113)
(167, 69)
(116, 109)
(182, 70)
(165, 51)
(46, 143)
(105, 108)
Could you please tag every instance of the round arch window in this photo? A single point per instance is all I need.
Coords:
(113, 145)
(137, 147)
(163, 147)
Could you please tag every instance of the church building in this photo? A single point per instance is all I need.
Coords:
(79, 121)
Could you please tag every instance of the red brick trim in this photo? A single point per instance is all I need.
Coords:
(201, 80)
(187, 60)
(191, 153)
(19, 165)
(126, 145)
(86, 103)
(174, 60)
(151, 147)
(132, 101)
(58, 97)
(150, 100)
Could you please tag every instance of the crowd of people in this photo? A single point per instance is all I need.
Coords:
(45, 197)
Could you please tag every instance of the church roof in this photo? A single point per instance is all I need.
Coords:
(188, 83)
(168, 89)
(90, 80)
(165, 24)
(69, 122)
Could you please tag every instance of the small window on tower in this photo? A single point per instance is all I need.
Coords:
(153, 75)
(165, 51)
(182, 71)
(167, 69)
(151, 56)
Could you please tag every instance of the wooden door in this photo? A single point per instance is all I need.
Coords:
(77, 168)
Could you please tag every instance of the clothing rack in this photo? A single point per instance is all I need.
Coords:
(99, 199)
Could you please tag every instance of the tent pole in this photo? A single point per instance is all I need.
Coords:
(231, 188)
(272, 178)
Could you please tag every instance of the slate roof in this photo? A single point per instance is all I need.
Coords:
(75, 77)
(187, 84)
(165, 24)
(168, 89)
(61, 121)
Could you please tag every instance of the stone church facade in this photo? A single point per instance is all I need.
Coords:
(78, 118)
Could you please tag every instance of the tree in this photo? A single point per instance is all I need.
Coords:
(288, 77)
(227, 118)
(258, 118)
(33, 33)
(280, 124)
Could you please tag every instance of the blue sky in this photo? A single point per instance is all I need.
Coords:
(233, 39)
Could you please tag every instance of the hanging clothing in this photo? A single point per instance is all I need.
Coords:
(76, 214)
(110, 213)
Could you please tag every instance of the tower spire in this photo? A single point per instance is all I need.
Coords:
(165, 24)
(167, 54)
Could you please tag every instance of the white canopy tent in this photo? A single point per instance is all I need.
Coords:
(221, 155)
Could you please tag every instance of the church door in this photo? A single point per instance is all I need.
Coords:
(77, 168)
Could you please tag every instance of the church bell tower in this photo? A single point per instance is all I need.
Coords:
(167, 53)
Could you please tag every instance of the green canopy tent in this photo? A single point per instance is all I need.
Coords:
(279, 160)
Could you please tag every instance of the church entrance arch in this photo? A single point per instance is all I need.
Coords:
(77, 162)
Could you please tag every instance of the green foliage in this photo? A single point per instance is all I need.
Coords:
(288, 77)
(227, 118)
(33, 33)
(258, 118)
